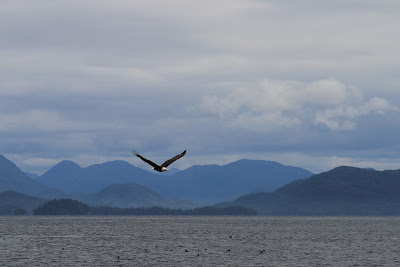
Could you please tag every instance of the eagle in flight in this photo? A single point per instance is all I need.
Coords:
(162, 167)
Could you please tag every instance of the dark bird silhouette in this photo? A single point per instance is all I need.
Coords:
(162, 167)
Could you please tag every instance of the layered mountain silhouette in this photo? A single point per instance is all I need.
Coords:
(131, 196)
(70, 177)
(12, 178)
(170, 172)
(203, 184)
(12, 201)
(31, 175)
(341, 191)
(212, 183)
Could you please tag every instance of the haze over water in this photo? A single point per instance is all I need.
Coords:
(199, 241)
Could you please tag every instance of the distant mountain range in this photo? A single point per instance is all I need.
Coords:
(341, 191)
(31, 175)
(70, 177)
(120, 183)
(12, 178)
(170, 172)
(11, 200)
(205, 185)
(210, 184)
(131, 196)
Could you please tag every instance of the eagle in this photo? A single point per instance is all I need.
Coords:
(162, 167)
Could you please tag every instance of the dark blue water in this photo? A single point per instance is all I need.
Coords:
(199, 241)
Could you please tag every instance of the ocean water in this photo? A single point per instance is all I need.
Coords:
(199, 241)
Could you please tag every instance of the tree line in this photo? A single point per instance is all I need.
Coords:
(73, 207)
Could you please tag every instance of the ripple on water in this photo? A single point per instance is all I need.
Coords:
(199, 241)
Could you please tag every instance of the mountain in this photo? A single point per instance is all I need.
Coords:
(12, 178)
(113, 183)
(213, 183)
(131, 196)
(347, 184)
(203, 184)
(341, 191)
(70, 177)
(11, 200)
(170, 172)
(31, 175)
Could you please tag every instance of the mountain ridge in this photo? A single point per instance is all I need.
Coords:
(341, 191)
(12, 178)
(11, 200)
(70, 177)
(205, 184)
(233, 179)
(131, 195)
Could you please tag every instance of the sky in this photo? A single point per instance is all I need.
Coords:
(311, 83)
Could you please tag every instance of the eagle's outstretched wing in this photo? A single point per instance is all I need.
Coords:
(165, 164)
(145, 160)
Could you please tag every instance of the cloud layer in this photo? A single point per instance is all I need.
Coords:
(287, 104)
(261, 79)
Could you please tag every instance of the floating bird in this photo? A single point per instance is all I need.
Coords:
(162, 167)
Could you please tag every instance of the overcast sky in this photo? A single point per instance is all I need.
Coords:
(312, 83)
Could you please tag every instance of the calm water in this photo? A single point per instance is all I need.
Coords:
(199, 241)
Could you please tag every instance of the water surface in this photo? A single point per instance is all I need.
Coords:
(199, 241)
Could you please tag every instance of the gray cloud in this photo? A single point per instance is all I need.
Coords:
(285, 104)
(298, 82)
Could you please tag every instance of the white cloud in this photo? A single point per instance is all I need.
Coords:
(343, 117)
(264, 122)
(275, 104)
(331, 92)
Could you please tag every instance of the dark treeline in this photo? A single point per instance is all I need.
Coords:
(64, 206)
(12, 210)
(74, 207)
(234, 210)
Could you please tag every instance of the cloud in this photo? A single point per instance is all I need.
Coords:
(277, 103)
(220, 64)
(343, 117)
(135, 75)
(88, 80)
(331, 92)
(33, 119)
